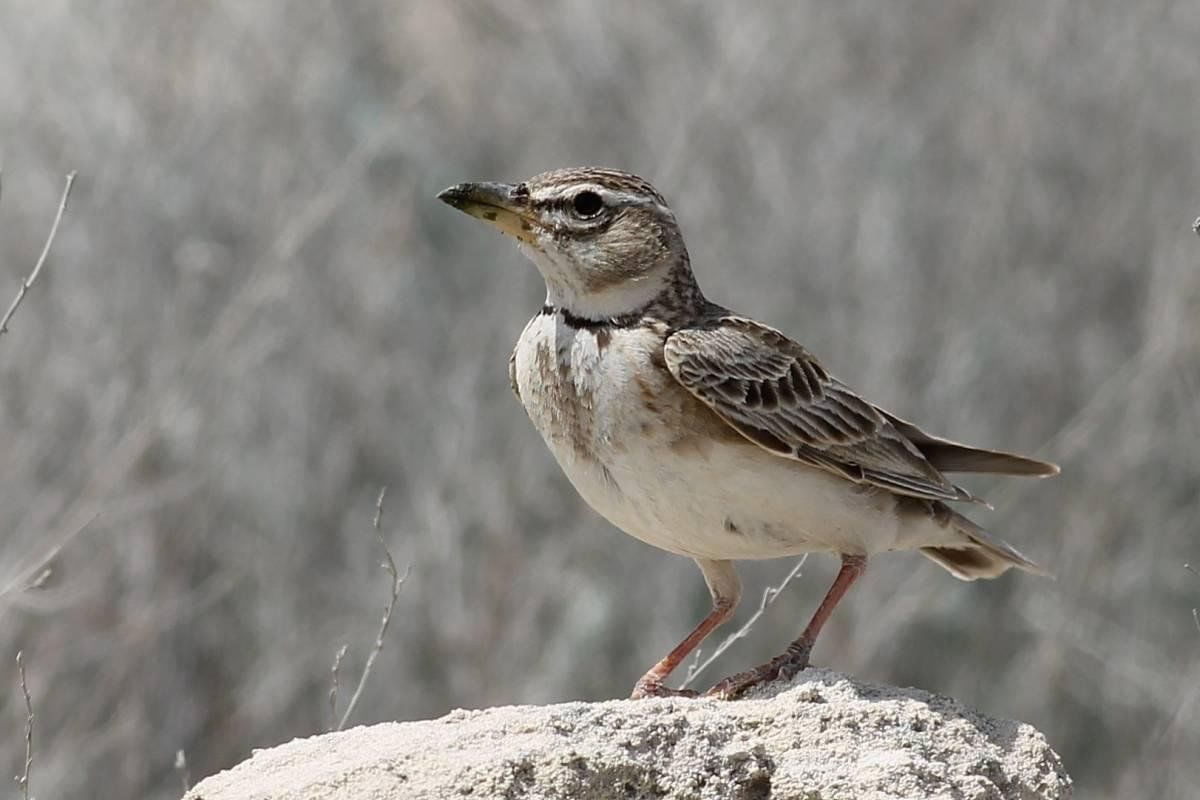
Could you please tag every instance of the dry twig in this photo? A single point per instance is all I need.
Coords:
(181, 768)
(39, 580)
(37, 268)
(333, 690)
(397, 583)
(768, 597)
(36, 575)
(1189, 567)
(23, 779)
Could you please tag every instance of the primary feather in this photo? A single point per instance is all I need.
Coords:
(949, 456)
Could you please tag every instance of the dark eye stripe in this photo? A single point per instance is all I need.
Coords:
(566, 202)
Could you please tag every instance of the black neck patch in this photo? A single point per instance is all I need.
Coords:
(584, 323)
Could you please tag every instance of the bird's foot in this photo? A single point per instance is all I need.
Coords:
(781, 668)
(653, 687)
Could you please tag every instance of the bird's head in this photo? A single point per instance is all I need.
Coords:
(604, 240)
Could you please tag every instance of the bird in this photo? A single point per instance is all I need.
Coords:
(709, 434)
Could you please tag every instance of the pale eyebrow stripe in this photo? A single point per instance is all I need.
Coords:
(561, 194)
(635, 199)
(630, 198)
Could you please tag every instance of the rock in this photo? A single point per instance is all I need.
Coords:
(821, 737)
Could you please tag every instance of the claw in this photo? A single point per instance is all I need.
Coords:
(652, 688)
(735, 685)
(784, 667)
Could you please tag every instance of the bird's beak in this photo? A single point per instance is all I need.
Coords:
(495, 203)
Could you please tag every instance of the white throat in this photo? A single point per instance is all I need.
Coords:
(565, 288)
(621, 299)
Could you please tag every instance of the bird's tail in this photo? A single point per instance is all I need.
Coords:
(980, 554)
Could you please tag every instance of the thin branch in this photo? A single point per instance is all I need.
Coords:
(37, 574)
(40, 580)
(333, 690)
(141, 501)
(1189, 567)
(397, 583)
(768, 597)
(37, 268)
(23, 780)
(181, 768)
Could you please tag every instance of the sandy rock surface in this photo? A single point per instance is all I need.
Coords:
(824, 736)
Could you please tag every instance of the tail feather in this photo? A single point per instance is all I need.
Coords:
(979, 554)
(967, 563)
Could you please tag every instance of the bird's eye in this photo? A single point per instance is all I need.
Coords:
(587, 204)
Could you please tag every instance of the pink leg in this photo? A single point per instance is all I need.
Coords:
(795, 658)
(726, 590)
(651, 684)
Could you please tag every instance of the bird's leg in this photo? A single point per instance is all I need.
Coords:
(795, 658)
(726, 590)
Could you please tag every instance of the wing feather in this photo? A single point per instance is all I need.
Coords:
(775, 393)
(950, 456)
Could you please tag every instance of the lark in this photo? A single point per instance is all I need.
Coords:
(706, 433)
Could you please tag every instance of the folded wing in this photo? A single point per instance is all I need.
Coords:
(775, 393)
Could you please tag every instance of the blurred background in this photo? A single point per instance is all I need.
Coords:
(256, 315)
